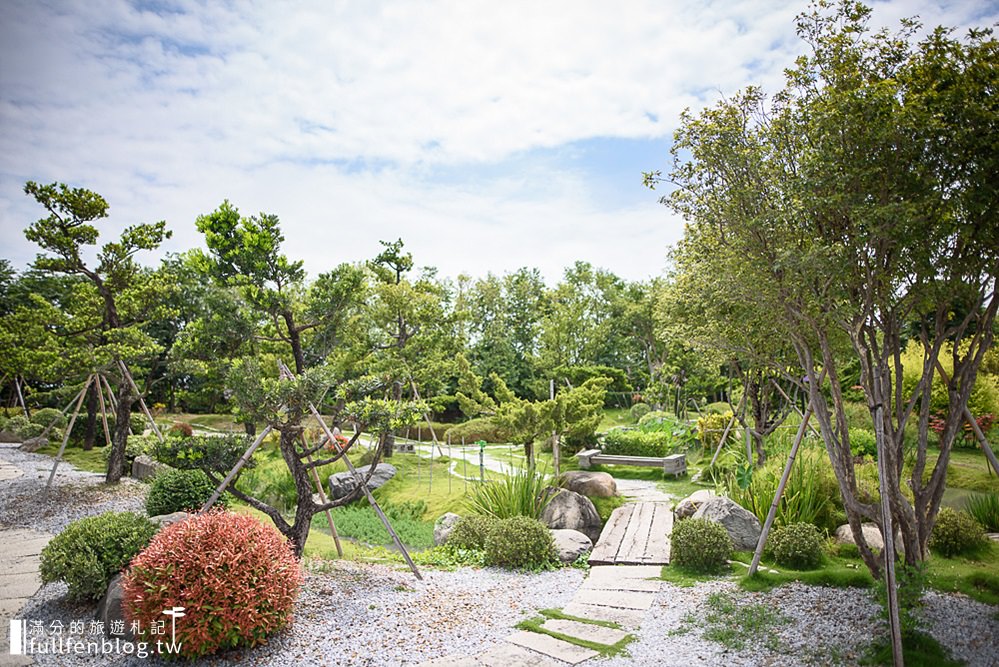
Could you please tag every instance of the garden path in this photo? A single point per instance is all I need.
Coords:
(20, 551)
(635, 534)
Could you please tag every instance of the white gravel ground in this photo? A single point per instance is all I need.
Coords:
(372, 615)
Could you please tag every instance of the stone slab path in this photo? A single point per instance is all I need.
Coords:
(20, 551)
(635, 534)
(617, 593)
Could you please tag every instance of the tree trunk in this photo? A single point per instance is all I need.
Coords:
(90, 427)
(116, 460)
(250, 428)
(305, 508)
(529, 452)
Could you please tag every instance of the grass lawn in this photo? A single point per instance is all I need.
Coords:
(615, 417)
(92, 461)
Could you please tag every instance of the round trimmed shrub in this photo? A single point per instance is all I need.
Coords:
(796, 545)
(235, 576)
(137, 422)
(863, 443)
(471, 532)
(46, 416)
(520, 542)
(180, 491)
(956, 533)
(89, 552)
(700, 545)
(639, 410)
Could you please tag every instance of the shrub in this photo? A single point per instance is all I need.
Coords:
(522, 493)
(632, 442)
(700, 545)
(863, 443)
(421, 432)
(180, 491)
(710, 428)
(956, 533)
(135, 446)
(520, 542)
(3, 422)
(46, 416)
(138, 423)
(29, 430)
(653, 418)
(985, 508)
(89, 552)
(181, 430)
(190, 564)
(471, 532)
(481, 428)
(797, 545)
(639, 410)
(16, 423)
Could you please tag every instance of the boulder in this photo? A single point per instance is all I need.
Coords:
(164, 520)
(144, 467)
(570, 544)
(34, 444)
(443, 527)
(587, 483)
(110, 608)
(742, 525)
(342, 483)
(687, 507)
(570, 510)
(872, 535)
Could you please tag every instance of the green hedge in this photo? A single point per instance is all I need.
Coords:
(632, 442)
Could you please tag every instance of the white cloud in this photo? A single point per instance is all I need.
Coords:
(336, 115)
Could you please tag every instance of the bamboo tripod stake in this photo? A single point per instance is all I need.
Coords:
(69, 429)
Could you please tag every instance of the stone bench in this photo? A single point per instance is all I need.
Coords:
(674, 464)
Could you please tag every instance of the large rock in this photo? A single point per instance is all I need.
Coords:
(443, 527)
(144, 467)
(110, 608)
(571, 510)
(872, 535)
(164, 520)
(587, 483)
(742, 525)
(570, 544)
(9, 436)
(687, 507)
(34, 444)
(342, 483)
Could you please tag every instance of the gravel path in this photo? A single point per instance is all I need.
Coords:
(372, 615)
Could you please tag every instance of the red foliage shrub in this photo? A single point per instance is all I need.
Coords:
(235, 576)
(182, 429)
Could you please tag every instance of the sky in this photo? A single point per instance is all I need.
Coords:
(487, 135)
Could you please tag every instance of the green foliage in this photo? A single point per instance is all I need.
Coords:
(29, 430)
(639, 410)
(525, 492)
(138, 423)
(809, 497)
(446, 557)
(710, 428)
(632, 442)
(653, 417)
(480, 428)
(47, 416)
(735, 622)
(360, 522)
(180, 491)
(215, 453)
(520, 542)
(863, 443)
(17, 423)
(135, 446)
(90, 551)
(984, 507)
(472, 531)
(700, 545)
(956, 533)
(796, 545)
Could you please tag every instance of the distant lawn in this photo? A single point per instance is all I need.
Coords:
(91, 461)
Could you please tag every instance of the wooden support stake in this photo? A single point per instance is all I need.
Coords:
(322, 498)
(104, 412)
(449, 465)
(426, 416)
(135, 388)
(20, 396)
(780, 492)
(69, 429)
(888, 535)
(795, 406)
(107, 386)
(235, 469)
(53, 422)
(731, 422)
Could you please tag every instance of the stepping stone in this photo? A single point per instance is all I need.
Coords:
(511, 655)
(627, 618)
(628, 571)
(626, 599)
(587, 631)
(608, 578)
(554, 648)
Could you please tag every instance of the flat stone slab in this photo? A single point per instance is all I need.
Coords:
(618, 578)
(628, 571)
(9, 471)
(511, 655)
(626, 618)
(624, 599)
(587, 631)
(553, 648)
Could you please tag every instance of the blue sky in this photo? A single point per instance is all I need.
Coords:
(489, 136)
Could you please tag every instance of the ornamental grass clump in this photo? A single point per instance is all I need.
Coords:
(520, 542)
(956, 533)
(89, 552)
(180, 491)
(700, 545)
(984, 507)
(236, 578)
(525, 492)
(797, 545)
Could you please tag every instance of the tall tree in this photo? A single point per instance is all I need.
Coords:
(117, 283)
